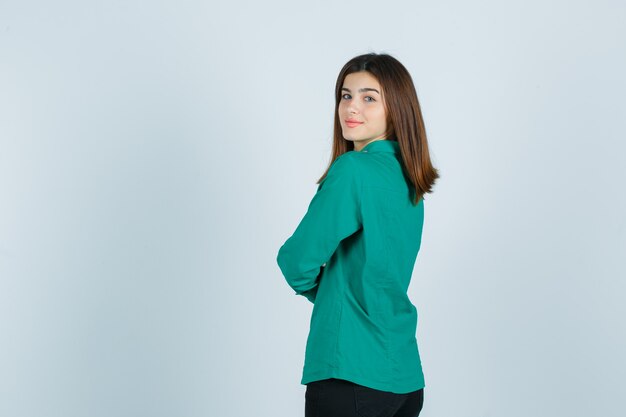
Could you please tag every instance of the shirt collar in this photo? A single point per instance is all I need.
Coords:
(382, 145)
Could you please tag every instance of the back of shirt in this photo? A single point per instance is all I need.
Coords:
(363, 227)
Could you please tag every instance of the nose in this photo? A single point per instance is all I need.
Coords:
(353, 108)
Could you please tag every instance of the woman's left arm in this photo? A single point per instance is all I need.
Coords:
(333, 214)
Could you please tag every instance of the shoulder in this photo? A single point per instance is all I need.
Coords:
(347, 161)
(359, 164)
(351, 164)
(344, 170)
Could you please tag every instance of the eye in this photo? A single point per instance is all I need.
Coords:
(369, 98)
(346, 96)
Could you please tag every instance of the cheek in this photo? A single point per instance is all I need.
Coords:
(381, 117)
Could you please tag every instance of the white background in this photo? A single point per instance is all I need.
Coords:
(154, 155)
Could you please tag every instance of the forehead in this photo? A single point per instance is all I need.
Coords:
(361, 79)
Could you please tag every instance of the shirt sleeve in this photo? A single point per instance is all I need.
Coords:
(333, 214)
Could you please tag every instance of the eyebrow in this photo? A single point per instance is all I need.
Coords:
(361, 90)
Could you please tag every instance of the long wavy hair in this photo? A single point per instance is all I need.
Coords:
(404, 119)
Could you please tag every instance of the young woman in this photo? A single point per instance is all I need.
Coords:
(353, 253)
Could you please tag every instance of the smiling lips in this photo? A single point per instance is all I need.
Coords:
(353, 123)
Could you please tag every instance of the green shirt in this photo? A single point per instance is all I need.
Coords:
(352, 255)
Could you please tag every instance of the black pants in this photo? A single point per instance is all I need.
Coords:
(340, 398)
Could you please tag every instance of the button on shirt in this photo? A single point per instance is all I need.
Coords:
(352, 255)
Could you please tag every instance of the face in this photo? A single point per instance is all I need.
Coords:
(361, 109)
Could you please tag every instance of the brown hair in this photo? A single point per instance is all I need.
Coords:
(404, 119)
